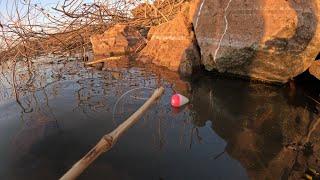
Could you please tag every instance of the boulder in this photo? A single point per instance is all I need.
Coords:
(315, 69)
(268, 40)
(118, 40)
(173, 45)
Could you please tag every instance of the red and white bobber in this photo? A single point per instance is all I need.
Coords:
(179, 100)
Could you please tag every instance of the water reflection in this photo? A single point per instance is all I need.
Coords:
(266, 130)
(230, 130)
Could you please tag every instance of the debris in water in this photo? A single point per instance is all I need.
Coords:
(179, 100)
(311, 174)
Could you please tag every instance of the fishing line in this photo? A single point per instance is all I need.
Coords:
(123, 95)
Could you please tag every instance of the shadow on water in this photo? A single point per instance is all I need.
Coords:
(232, 129)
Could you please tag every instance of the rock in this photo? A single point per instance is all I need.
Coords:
(143, 30)
(173, 45)
(118, 40)
(271, 40)
(315, 69)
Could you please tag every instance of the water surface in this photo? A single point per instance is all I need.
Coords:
(56, 110)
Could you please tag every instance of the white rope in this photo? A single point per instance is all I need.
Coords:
(199, 13)
(225, 30)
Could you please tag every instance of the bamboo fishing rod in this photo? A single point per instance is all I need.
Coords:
(108, 140)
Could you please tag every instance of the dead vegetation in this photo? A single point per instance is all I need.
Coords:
(28, 28)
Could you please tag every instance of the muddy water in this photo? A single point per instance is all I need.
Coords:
(52, 115)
